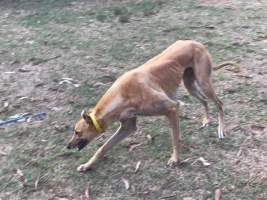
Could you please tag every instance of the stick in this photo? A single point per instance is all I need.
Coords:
(45, 60)
(169, 196)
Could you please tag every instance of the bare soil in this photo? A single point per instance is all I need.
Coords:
(91, 43)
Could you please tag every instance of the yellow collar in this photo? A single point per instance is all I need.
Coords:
(95, 123)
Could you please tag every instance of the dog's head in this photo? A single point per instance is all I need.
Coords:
(84, 132)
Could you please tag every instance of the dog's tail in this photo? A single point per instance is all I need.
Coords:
(226, 64)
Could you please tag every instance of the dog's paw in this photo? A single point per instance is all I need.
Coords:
(173, 161)
(83, 168)
(220, 133)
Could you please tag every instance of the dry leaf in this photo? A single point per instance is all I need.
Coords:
(137, 166)
(24, 70)
(188, 198)
(87, 192)
(203, 161)
(234, 69)
(187, 160)
(37, 182)
(168, 196)
(244, 75)
(3, 153)
(149, 137)
(181, 103)
(23, 97)
(126, 183)
(99, 84)
(134, 145)
(6, 104)
(19, 173)
(217, 194)
(258, 127)
(20, 177)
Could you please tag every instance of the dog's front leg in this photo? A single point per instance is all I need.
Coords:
(127, 127)
(173, 117)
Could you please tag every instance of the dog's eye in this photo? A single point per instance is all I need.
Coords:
(77, 132)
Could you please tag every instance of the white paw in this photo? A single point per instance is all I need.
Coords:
(82, 168)
(173, 161)
(220, 134)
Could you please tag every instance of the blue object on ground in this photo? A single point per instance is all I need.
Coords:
(23, 117)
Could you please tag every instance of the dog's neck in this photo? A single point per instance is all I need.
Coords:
(103, 120)
(108, 110)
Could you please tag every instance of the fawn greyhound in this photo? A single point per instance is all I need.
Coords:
(149, 90)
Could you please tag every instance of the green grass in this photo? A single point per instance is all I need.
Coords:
(99, 41)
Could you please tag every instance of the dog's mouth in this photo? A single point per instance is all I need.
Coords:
(82, 143)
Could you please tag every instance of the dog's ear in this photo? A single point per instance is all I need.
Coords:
(85, 115)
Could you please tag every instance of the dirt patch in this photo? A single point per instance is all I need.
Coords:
(93, 44)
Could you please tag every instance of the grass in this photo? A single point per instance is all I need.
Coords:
(99, 41)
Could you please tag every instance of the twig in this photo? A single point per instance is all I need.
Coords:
(45, 60)
(169, 196)
(37, 181)
(244, 76)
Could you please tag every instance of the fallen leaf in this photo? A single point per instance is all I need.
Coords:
(20, 173)
(149, 137)
(23, 97)
(257, 127)
(40, 84)
(56, 109)
(234, 69)
(133, 146)
(126, 183)
(87, 192)
(37, 182)
(244, 76)
(181, 103)
(137, 166)
(20, 178)
(65, 81)
(24, 70)
(69, 79)
(76, 85)
(168, 196)
(2, 153)
(188, 198)
(9, 72)
(99, 84)
(187, 160)
(203, 161)
(217, 194)
(6, 104)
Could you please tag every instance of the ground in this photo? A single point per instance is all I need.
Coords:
(93, 42)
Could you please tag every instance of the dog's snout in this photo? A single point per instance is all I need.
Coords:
(69, 146)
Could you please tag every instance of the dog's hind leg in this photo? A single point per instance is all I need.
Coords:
(202, 70)
(193, 88)
(127, 127)
(210, 93)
